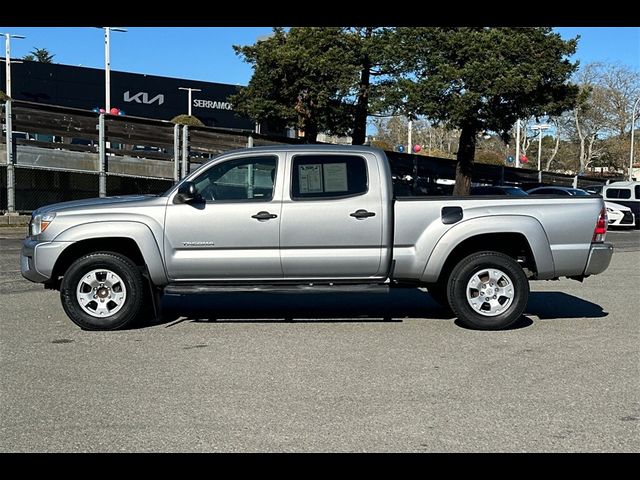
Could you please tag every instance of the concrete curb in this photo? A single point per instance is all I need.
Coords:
(14, 220)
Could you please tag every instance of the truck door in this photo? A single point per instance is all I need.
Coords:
(332, 217)
(234, 232)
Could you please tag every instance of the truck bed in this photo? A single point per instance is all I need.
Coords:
(563, 224)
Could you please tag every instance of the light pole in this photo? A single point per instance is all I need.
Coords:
(633, 127)
(518, 143)
(11, 187)
(189, 89)
(7, 56)
(409, 136)
(107, 65)
(540, 128)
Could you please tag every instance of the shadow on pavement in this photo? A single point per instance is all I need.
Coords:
(550, 305)
(351, 307)
(314, 307)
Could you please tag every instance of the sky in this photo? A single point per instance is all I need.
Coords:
(206, 54)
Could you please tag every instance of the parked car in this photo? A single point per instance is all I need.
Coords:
(625, 193)
(619, 215)
(305, 218)
(498, 190)
(554, 190)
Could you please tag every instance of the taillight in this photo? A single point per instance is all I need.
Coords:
(601, 227)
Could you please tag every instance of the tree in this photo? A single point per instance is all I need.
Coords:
(317, 78)
(41, 55)
(370, 50)
(3, 96)
(301, 78)
(481, 79)
(602, 117)
(622, 85)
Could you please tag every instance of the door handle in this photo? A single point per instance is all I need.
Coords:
(264, 216)
(362, 214)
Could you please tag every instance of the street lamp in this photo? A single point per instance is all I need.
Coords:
(7, 55)
(11, 188)
(107, 65)
(540, 128)
(189, 89)
(633, 127)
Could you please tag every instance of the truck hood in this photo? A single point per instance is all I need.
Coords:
(93, 202)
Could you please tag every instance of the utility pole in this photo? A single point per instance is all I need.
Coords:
(633, 127)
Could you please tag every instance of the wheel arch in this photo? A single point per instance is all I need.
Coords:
(515, 236)
(131, 239)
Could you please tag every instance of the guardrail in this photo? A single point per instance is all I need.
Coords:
(50, 154)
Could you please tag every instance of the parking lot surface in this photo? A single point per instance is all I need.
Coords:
(235, 376)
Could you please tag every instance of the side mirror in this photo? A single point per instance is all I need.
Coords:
(186, 193)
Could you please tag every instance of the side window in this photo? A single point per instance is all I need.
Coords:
(618, 193)
(241, 179)
(328, 176)
(637, 189)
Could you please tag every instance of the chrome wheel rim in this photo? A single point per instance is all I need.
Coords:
(101, 293)
(490, 292)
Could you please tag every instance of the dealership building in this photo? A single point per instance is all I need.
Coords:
(136, 94)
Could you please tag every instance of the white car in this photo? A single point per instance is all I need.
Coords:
(619, 215)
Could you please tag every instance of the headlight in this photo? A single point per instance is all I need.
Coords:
(40, 222)
(610, 210)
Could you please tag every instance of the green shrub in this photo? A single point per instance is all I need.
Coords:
(187, 120)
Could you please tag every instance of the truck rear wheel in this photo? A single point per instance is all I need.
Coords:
(488, 291)
(102, 291)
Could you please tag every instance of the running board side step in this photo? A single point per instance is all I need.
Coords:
(204, 288)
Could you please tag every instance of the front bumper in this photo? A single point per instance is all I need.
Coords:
(599, 258)
(38, 258)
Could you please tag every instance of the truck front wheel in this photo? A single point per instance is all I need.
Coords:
(102, 291)
(488, 291)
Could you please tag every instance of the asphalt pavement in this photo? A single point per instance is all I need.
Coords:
(235, 376)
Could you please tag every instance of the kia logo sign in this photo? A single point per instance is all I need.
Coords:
(143, 97)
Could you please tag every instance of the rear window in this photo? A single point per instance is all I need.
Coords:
(328, 176)
(618, 193)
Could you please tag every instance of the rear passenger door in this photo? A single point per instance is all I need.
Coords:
(332, 217)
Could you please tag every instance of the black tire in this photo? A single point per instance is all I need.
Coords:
(438, 292)
(121, 266)
(462, 274)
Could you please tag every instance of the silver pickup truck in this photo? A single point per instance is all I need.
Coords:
(313, 218)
